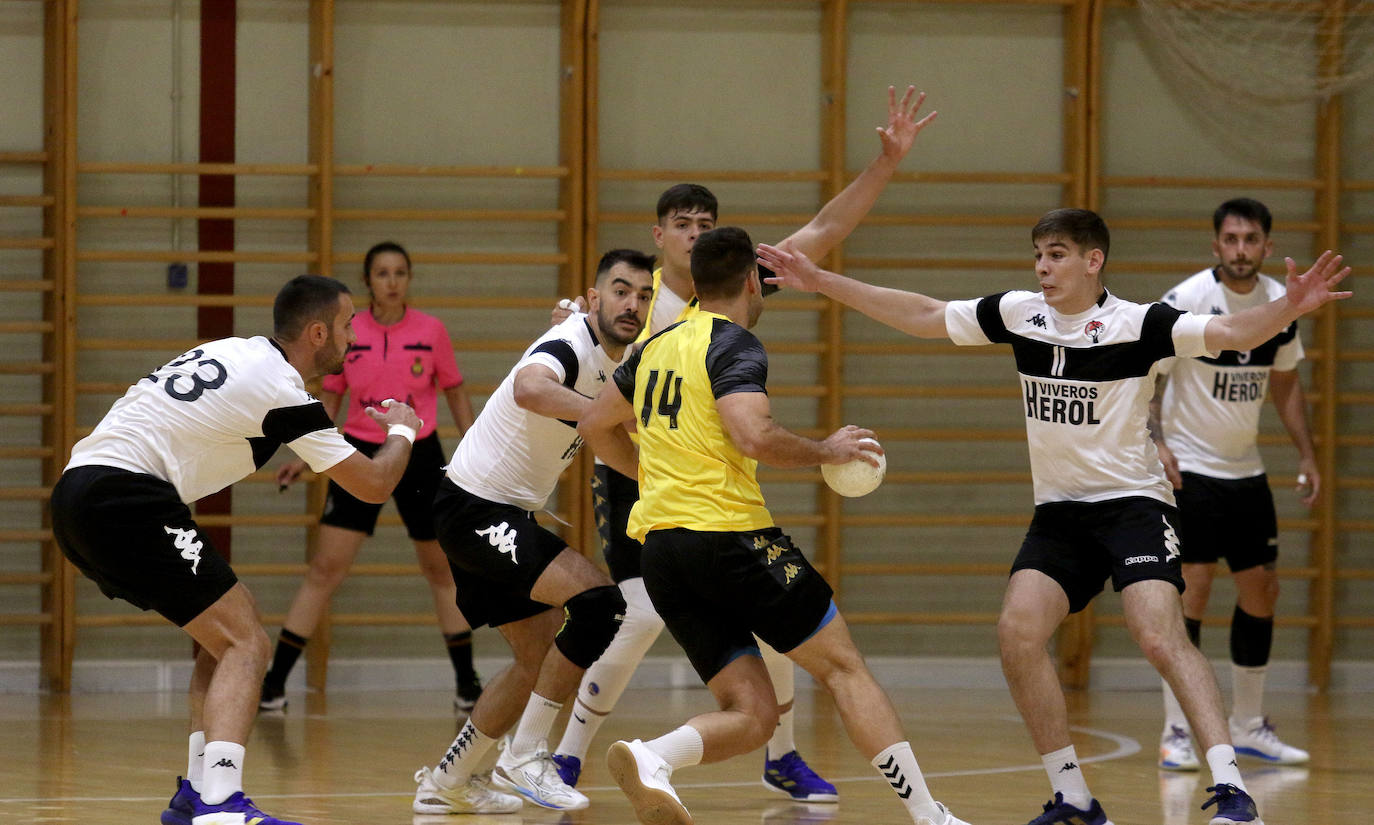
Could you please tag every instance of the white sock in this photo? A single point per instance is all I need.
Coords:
(897, 765)
(583, 723)
(606, 680)
(195, 760)
(782, 673)
(223, 775)
(1066, 777)
(535, 724)
(463, 756)
(1222, 760)
(681, 748)
(1173, 711)
(1247, 692)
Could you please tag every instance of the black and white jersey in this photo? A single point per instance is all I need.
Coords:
(212, 416)
(1086, 384)
(1212, 406)
(513, 456)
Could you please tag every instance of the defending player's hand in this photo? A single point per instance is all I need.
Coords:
(1170, 462)
(902, 125)
(1309, 482)
(1313, 288)
(288, 473)
(565, 309)
(791, 268)
(846, 444)
(395, 412)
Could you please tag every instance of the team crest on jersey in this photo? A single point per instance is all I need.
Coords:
(1094, 330)
(417, 369)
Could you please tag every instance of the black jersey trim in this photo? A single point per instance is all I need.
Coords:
(1104, 362)
(1261, 356)
(735, 360)
(422, 347)
(989, 314)
(563, 351)
(286, 424)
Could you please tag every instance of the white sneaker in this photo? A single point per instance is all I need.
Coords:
(949, 818)
(643, 776)
(535, 777)
(1256, 738)
(1176, 749)
(472, 797)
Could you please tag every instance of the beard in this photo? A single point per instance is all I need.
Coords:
(611, 332)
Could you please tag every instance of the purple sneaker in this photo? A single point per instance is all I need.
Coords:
(791, 775)
(1234, 806)
(569, 769)
(179, 808)
(236, 805)
(1059, 812)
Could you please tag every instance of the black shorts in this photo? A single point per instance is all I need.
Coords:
(1228, 518)
(716, 591)
(613, 495)
(414, 494)
(1080, 543)
(496, 552)
(131, 534)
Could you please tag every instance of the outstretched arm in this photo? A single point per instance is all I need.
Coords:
(602, 428)
(909, 312)
(844, 212)
(748, 418)
(1305, 293)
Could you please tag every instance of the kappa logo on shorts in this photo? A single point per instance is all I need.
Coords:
(502, 538)
(187, 544)
(1170, 540)
(1140, 560)
(791, 570)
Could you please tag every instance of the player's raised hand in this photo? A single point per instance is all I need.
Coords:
(1313, 288)
(395, 412)
(565, 309)
(791, 268)
(902, 125)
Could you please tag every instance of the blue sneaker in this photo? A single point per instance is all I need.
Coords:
(791, 775)
(179, 807)
(1234, 806)
(236, 810)
(569, 769)
(1059, 812)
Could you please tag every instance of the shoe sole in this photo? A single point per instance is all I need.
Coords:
(499, 779)
(823, 798)
(652, 806)
(273, 704)
(171, 816)
(1272, 760)
(1180, 767)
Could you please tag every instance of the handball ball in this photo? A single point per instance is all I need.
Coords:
(857, 478)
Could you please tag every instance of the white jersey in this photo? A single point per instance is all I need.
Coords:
(514, 456)
(667, 310)
(1212, 406)
(1086, 384)
(211, 417)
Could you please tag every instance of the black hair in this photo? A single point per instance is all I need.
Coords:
(721, 262)
(1246, 208)
(1082, 226)
(378, 249)
(686, 197)
(303, 299)
(632, 258)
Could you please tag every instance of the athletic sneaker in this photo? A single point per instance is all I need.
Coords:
(236, 810)
(273, 696)
(535, 777)
(791, 775)
(472, 797)
(1059, 812)
(180, 808)
(1234, 806)
(465, 698)
(1176, 749)
(569, 768)
(949, 818)
(1257, 738)
(643, 776)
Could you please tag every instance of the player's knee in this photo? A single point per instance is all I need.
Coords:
(1158, 647)
(592, 618)
(641, 619)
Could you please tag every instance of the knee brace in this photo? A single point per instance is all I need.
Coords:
(1251, 639)
(590, 621)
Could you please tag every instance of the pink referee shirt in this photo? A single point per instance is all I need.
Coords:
(410, 360)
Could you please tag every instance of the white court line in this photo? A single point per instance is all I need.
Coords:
(1125, 746)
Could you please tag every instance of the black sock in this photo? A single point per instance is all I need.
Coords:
(289, 647)
(460, 653)
(1251, 638)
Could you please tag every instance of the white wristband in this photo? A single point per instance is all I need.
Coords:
(408, 433)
